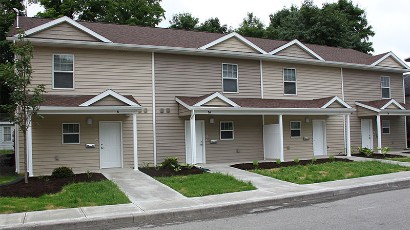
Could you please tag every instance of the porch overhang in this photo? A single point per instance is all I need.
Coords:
(384, 107)
(269, 111)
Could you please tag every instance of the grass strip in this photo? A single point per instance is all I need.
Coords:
(401, 159)
(6, 179)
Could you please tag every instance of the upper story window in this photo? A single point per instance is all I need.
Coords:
(295, 128)
(6, 134)
(230, 78)
(385, 87)
(289, 81)
(226, 130)
(71, 133)
(63, 71)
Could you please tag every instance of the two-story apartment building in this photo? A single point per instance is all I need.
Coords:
(120, 95)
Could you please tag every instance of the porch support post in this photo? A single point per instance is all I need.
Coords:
(193, 137)
(348, 150)
(135, 140)
(29, 148)
(282, 157)
(379, 133)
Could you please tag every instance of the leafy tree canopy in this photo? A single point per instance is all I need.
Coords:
(252, 26)
(132, 12)
(213, 25)
(184, 21)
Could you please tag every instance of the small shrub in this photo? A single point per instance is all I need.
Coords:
(365, 151)
(255, 164)
(331, 157)
(89, 174)
(171, 163)
(384, 150)
(44, 178)
(62, 172)
(296, 160)
(314, 159)
(145, 164)
(278, 161)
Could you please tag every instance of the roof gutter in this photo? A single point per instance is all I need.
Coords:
(270, 111)
(195, 51)
(89, 110)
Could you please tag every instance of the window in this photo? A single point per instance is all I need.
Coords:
(226, 130)
(230, 78)
(6, 133)
(71, 133)
(63, 71)
(386, 126)
(385, 85)
(295, 128)
(289, 81)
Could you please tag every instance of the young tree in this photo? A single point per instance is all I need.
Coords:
(25, 98)
(251, 26)
(184, 21)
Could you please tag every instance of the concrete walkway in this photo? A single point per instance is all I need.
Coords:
(153, 201)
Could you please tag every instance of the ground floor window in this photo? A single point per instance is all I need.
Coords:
(295, 128)
(386, 126)
(71, 133)
(7, 133)
(226, 130)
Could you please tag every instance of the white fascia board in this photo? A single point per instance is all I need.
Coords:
(392, 101)
(5, 123)
(336, 98)
(109, 93)
(69, 21)
(236, 35)
(394, 112)
(270, 111)
(201, 52)
(89, 110)
(183, 104)
(391, 54)
(217, 95)
(300, 44)
(368, 107)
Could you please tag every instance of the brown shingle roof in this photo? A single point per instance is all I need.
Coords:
(127, 34)
(71, 100)
(378, 104)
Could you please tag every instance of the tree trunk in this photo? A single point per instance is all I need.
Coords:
(25, 157)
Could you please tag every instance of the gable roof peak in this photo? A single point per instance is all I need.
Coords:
(231, 35)
(301, 45)
(392, 55)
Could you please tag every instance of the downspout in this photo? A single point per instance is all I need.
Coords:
(344, 117)
(154, 110)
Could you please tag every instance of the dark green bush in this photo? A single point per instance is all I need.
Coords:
(171, 163)
(366, 151)
(62, 172)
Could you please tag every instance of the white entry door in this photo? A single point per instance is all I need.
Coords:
(319, 137)
(200, 142)
(367, 133)
(271, 140)
(110, 144)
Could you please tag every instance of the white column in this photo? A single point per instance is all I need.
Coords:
(135, 140)
(282, 157)
(30, 149)
(347, 143)
(379, 134)
(193, 137)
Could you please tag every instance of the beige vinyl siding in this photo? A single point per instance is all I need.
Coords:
(336, 105)
(64, 31)
(311, 81)
(362, 85)
(217, 102)
(109, 100)
(247, 144)
(390, 62)
(363, 112)
(178, 75)
(392, 106)
(233, 44)
(182, 111)
(295, 51)
(127, 73)
(396, 139)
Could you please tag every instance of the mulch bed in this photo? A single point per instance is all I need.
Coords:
(165, 172)
(38, 186)
(270, 165)
(377, 156)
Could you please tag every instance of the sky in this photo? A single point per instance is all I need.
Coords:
(389, 19)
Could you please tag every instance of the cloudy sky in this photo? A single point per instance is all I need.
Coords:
(390, 19)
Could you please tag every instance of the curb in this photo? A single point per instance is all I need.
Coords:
(218, 211)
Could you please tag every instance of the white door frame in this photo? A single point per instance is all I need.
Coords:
(370, 132)
(189, 139)
(324, 136)
(121, 145)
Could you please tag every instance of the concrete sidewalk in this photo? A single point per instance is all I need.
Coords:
(153, 202)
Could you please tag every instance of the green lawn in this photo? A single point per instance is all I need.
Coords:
(402, 159)
(6, 179)
(205, 184)
(331, 171)
(3, 151)
(72, 196)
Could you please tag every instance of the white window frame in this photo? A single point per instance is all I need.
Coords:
(296, 82)
(237, 77)
(62, 133)
(300, 129)
(220, 131)
(381, 87)
(52, 69)
(4, 134)
(386, 125)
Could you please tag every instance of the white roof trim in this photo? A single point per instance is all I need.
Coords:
(336, 99)
(236, 35)
(368, 107)
(216, 95)
(5, 123)
(89, 110)
(391, 54)
(298, 43)
(183, 104)
(69, 21)
(270, 111)
(392, 101)
(109, 93)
